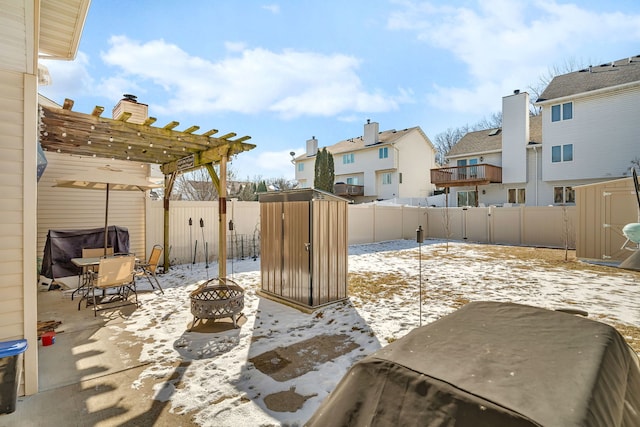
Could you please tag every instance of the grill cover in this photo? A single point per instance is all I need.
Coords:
(493, 364)
(62, 245)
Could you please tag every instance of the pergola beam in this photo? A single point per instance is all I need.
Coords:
(91, 135)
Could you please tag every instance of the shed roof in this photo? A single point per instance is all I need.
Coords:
(608, 75)
(490, 140)
(299, 195)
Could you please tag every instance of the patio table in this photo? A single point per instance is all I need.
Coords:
(86, 265)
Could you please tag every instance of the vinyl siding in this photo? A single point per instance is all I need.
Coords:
(13, 35)
(11, 202)
(70, 208)
(603, 132)
(515, 137)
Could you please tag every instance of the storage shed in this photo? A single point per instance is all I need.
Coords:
(603, 209)
(304, 247)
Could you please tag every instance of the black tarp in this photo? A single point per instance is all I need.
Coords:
(62, 245)
(493, 364)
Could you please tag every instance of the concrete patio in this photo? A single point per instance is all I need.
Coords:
(86, 376)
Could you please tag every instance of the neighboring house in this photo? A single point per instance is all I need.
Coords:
(376, 166)
(587, 132)
(29, 29)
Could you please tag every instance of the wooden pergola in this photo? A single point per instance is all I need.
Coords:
(65, 131)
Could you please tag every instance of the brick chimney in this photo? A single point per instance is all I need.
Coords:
(129, 104)
(312, 146)
(371, 131)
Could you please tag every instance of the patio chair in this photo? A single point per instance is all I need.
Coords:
(116, 272)
(148, 269)
(85, 274)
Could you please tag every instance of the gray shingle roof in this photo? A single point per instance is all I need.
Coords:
(482, 141)
(357, 143)
(602, 76)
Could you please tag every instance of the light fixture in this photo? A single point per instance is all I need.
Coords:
(151, 144)
(89, 142)
(128, 147)
(64, 134)
(481, 159)
(138, 133)
(110, 139)
(93, 127)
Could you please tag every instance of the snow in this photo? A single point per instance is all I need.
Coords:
(209, 375)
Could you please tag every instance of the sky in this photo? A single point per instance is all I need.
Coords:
(214, 378)
(284, 72)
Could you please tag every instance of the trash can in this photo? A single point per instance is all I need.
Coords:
(11, 355)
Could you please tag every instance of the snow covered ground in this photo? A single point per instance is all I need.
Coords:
(210, 378)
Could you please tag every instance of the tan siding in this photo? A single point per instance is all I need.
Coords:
(11, 203)
(67, 208)
(13, 36)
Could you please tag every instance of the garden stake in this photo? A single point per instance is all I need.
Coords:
(191, 240)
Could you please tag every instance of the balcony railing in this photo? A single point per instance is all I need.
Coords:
(342, 189)
(456, 176)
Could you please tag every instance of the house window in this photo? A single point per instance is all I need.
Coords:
(300, 167)
(467, 198)
(562, 153)
(383, 152)
(562, 112)
(386, 178)
(347, 158)
(516, 195)
(564, 195)
(352, 181)
(567, 153)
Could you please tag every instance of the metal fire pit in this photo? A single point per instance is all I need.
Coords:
(217, 298)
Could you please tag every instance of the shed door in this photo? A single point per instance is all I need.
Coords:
(296, 250)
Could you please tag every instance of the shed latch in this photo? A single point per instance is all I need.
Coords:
(307, 247)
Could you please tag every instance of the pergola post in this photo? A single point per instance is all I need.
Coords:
(168, 186)
(222, 213)
(220, 184)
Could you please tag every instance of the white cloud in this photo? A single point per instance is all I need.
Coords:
(501, 41)
(273, 8)
(235, 46)
(289, 83)
(68, 78)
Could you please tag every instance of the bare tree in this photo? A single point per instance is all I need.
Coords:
(568, 66)
(197, 185)
(281, 183)
(445, 141)
(492, 122)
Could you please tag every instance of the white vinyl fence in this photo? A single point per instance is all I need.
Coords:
(543, 226)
